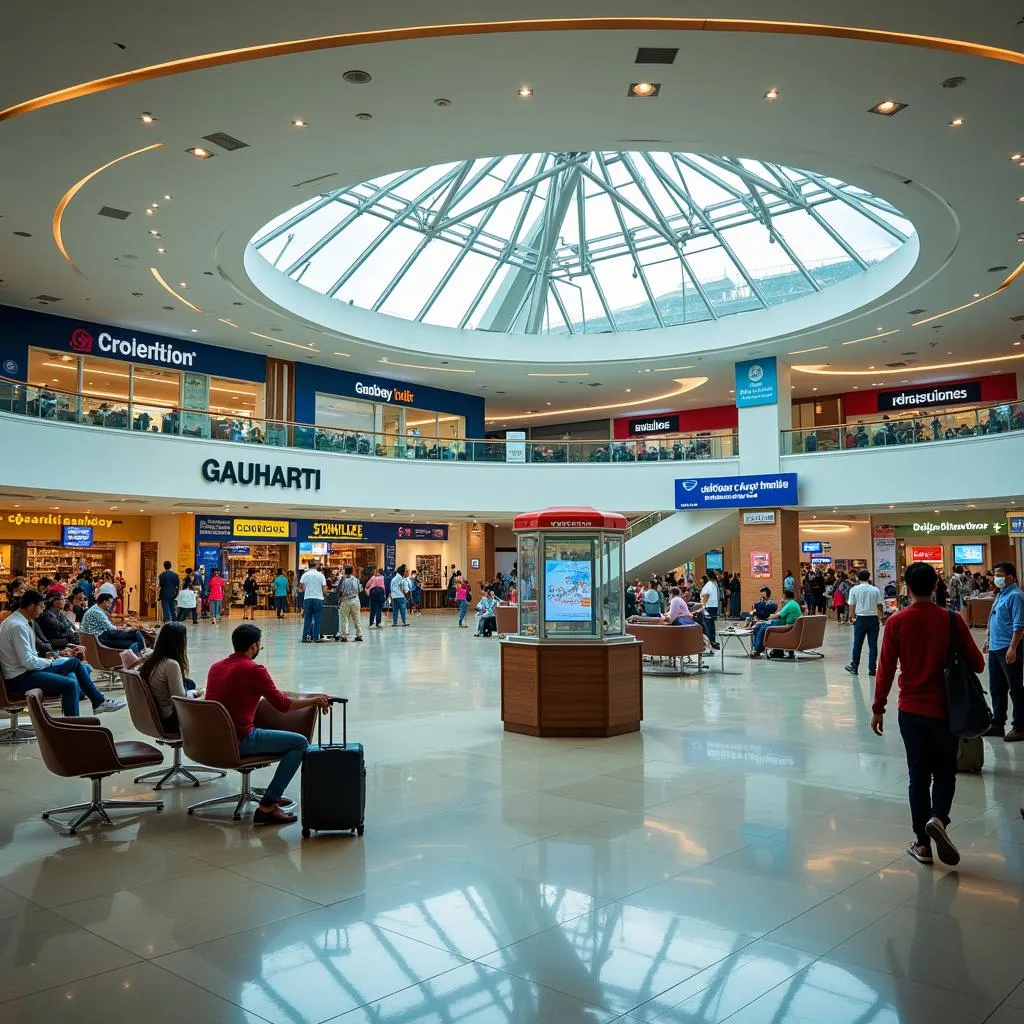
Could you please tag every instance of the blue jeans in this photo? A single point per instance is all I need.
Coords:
(312, 609)
(1006, 681)
(734, 604)
(215, 609)
(710, 614)
(376, 610)
(276, 741)
(280, 604)
(931, 761)
(167, 606)
(865, 626)
(463, 606)
(124, 639)
(65, 678)
(758, 640)
(397, 605)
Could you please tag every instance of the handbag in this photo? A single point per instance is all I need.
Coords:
(969, 713)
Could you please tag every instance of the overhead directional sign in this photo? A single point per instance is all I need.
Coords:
(763, 491)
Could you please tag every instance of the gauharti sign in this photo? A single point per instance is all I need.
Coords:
(258, 474)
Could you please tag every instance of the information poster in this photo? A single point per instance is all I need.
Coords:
(883, 542)
(568, 587)
(761, 565)
(195, 394)
(428, 569)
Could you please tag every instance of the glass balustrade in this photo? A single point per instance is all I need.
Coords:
(887, 431)
(90, 410)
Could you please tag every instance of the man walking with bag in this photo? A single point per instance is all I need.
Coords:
(918, 638)
(348, 605)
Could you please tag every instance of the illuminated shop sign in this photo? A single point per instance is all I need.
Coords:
(982, 527)
(261, 474)
(276, 528)
(165, 352)
(385, 394)
(337, 531)
(933, 394)
(654, 425)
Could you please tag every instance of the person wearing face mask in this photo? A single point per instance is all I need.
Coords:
(1004, 649)
(238, 683)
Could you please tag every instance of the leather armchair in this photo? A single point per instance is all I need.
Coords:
(82, 747)
(13, 707)
(672, 642)
(102, 659)
(146, 718)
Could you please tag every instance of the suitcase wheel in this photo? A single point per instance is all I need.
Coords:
(305, 833)
(361, 828)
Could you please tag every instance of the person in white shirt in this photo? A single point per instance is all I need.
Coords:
(187, 601)
(312, 584)
(107, 586)
(24, 670)
(709, 597)
(399, 591)
(868, 609)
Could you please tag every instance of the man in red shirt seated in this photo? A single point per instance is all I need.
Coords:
(239, 683)
(918, 638)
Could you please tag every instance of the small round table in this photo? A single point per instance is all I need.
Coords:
(733, 633)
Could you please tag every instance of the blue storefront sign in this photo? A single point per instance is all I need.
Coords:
(762, 491)
(757, 382)
(209, 556)
(20, 328)
(76, 537)
(210, 529)
(810, 547)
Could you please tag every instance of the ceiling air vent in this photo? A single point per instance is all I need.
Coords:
(656, 55)
(593, 385)
(114, 213)
(47, 298)
(310, 181)
(915, 312)
(896, 366)
(1017, 319)
(225, 141)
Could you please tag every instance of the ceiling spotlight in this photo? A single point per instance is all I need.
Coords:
(146, 117)
(644, 89)
(149, 213)
(771, 95)
(357, 77)
(1020, 199)
(154, 234)
(524, 92)
(182, 284)
(199, 153)
(363, 116)
(441, 101)
(1017, 156)
(161, 249)
(957, 122)
(299, 123)
(887, 108)
(168, 198)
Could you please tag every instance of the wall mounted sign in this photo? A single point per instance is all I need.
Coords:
(238, 549)
(389, 392)
(654, 425)
(515, 445)
(271, 529)
(757, 382)
(761, 565)
(261, 474)
(883, 546)
(76, 537)
(930, 395)
(810, 547)
(1015, 525)
(926, 528)
(821, 559)
(474, 563)
(714, 560)
(926, 554)
(759, 518)
(737, 491)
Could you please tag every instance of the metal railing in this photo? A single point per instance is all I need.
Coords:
(155, 418)
(887, 431)
(644, 523)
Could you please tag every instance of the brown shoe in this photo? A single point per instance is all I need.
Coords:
(1014, 736)
(274, 816)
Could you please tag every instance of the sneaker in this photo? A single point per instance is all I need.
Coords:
(871, 672)
(947, 852)
(110, 704)
(359, 638)
(1014, 736)
(343, 639)
(850, 669)
(922, 854)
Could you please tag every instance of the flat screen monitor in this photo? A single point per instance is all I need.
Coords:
(969, 554)
(810, 547)
(568, 590)
(713, 560)
(76, 537)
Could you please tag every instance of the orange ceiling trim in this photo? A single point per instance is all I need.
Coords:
(58, 213)
(223, 58)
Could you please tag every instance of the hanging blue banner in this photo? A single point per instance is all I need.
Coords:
(763, 491)
(757, 382)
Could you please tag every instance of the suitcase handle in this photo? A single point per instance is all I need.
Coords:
(331, 701)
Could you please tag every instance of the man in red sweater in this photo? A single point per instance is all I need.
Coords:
(918, 638)
(239, 683)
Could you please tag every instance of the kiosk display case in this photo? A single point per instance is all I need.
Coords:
(571, 669)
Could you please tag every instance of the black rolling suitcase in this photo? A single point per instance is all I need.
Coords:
(333, 780)
(330, 621)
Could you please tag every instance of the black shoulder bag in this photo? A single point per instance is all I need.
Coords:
(969, 713)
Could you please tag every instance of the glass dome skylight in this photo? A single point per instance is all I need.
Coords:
(576, 243)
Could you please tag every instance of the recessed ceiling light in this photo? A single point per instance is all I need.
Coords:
(644, 90)
(887, 108)
(182, 284)
(149, 213)
(146, 117)
(1017, 156)
(977, 295)
(357, 77)
(161, 249)
(168, 198)
(299, 123)
(363, 116)
(628, 390)
(524, 92)
(771, 95)
(957, 122)
(195, 330)
(199, 153)
(154, 234)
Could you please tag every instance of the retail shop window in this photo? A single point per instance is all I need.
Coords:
(155, 395)
(106, 388)
(56, 375)
(236, 409)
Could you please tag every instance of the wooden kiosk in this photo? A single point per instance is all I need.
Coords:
(571, 669)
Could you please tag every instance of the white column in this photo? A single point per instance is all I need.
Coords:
(760, 426)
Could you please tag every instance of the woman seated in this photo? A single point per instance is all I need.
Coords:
(165, 672)
(58, 628)
(486, 622)
(678, 613)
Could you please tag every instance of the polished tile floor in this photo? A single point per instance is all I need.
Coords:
(739, 860)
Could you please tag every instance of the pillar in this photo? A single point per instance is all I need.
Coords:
(760, 427)
(780, 540)
(479, 545)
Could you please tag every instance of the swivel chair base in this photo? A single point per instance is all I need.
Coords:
(179, 770)
(248, 795)
(97, 805)
(16, 733)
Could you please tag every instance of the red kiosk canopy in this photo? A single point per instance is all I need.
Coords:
(569, 519)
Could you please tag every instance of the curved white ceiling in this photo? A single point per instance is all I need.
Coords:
(956, 184)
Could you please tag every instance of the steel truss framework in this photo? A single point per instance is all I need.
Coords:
(580, 242)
